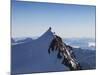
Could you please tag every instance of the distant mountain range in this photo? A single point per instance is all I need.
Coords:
(31, 55)
(84, 43)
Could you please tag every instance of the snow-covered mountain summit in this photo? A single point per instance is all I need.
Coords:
(32, 56)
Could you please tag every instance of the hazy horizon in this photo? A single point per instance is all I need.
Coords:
(31, 19)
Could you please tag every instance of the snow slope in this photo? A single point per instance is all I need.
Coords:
(86, 58)
(32, 56)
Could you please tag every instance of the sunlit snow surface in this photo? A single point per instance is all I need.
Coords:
(31, 56)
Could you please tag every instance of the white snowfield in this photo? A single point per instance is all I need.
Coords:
(33, 57)
(91, 44)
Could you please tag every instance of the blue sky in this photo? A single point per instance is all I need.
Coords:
(31, 19)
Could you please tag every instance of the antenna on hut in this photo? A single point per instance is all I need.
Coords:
(49, 28)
